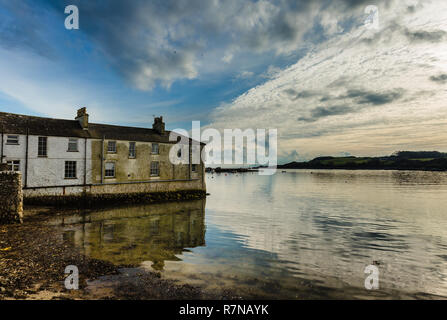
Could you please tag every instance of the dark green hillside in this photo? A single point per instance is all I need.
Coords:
(402, 160)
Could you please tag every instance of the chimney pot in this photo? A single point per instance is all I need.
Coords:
(159, 125)
(82, 117)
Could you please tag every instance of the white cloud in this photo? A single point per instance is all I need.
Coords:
(245, 74)
(227, 57)
(358, 89)
(152, 43)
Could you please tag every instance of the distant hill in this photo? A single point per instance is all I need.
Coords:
(419, 154)
(400, 160)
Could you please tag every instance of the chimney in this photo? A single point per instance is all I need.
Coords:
(82, 117)
(159, 125)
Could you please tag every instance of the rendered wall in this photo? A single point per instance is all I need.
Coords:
(49, 170)
(138, 168)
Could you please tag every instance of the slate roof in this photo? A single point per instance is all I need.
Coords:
(11, 123)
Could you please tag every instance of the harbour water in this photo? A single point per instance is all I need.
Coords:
(294, 235)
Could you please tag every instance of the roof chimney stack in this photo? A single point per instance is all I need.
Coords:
(82, 117)
(159, 125)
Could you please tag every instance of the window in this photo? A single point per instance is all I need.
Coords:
(155, 172)
(155, 227)
(42, 147)
(132, 151)
(194, 168)
(12, 140)
(155, 148)
(13, 165)
(72, 145)
(70, 169)
(111, 147)
(110, 170)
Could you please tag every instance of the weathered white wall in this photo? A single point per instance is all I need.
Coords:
(15, 152)
(50, 170)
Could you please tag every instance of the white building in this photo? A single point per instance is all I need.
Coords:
(76, 156)
(36, 147)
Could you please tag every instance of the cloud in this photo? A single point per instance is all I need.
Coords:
(160, 42)
(245, 74)
(413, 36)
(441, 78)
(375, 98)
(271, 72)
(429, 36)
(20, 28)
(359, 98)
(353, 88)
(300, 95)
(322, 112)
(350, 94)
(290, 157)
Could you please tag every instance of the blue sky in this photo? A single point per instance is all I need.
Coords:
(310, 69)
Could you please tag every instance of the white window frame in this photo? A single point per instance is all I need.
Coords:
(39, 149)
(71, 172)
(155, 148)
(71, 142)
(109, 149)
(13, 165)
(155, 168)
(13, 137)
(132, 155)
(114, 170)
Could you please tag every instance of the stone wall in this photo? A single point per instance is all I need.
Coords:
(112, 193)
(11, 197)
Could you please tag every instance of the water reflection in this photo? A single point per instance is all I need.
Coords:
(299, 234)
(131, 235)
(326, 224)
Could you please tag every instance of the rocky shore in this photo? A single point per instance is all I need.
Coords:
(33, 257)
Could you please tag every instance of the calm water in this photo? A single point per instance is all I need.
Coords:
(299, 234)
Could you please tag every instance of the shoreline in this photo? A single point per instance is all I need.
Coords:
(33, 257)
(367, 169)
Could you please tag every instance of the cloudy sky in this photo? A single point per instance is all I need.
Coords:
(311, 69)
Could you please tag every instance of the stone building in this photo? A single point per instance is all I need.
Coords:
(69, 158)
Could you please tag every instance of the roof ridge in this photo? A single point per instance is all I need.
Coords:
(120, 126)
(36, 117)
(35, 125)
(73, 120)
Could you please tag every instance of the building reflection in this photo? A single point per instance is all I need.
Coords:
(131, 235)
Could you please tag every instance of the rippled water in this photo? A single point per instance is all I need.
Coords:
(297, 234)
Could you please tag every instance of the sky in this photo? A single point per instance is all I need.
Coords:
(313, 70)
